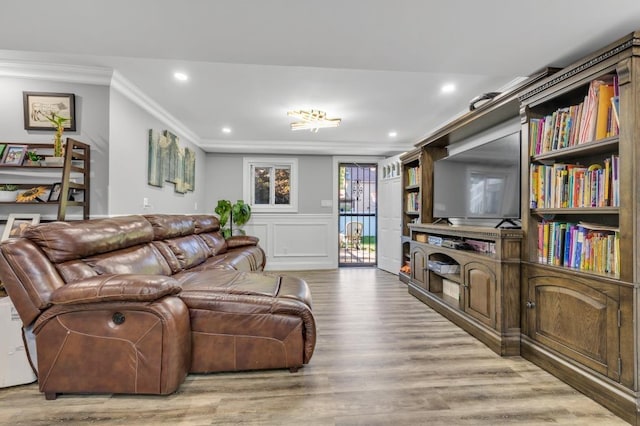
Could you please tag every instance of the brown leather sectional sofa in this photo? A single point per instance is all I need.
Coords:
(133, 304)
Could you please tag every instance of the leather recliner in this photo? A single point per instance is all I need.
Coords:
(133, 304)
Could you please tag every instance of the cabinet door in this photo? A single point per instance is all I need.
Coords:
(419, 266)
(577, 319)
(480, 293)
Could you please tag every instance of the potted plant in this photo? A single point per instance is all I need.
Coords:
(8, 192)
(33, 158)
(58, 148)
(238, 214)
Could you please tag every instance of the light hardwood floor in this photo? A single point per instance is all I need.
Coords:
(382, 357)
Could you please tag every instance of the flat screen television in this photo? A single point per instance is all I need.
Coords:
(482, 182)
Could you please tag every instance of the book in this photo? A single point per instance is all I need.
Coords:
(615, 108)
(605, 93)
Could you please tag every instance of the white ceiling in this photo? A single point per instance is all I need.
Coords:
(379, 65)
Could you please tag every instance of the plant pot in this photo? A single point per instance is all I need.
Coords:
(54, 161)
(8, 196)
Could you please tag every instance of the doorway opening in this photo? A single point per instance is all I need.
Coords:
(357, 214)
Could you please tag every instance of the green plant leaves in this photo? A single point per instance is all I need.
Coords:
(241, 212)
(238, 214)
(223, 209)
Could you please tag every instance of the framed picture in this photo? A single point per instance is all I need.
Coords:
(13, 155)
(17, 222)
(40, 105)
(54, 194)
(76, 195)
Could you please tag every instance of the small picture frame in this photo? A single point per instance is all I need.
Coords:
(76, 195)
(40, 105)
(17, 222)
(54, 194)
(13, 155)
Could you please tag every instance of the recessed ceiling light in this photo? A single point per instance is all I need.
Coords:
(393, 134)
(448, 88)
(180, 76)
(226, 130)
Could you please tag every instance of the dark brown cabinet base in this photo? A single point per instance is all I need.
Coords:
(481, 291)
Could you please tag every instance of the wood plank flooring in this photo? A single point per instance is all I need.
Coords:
(382, 358)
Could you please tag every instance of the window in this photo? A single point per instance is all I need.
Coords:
(271, 184)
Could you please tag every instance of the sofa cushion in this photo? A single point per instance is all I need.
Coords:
(190, 251)
(64, 241)
(75, 270)
(230, 282)
(248, 258)
(215, 241)
(242, 240)
(167, 226)
(205, 223)
(142, 259)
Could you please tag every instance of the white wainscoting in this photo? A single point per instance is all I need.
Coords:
(296, 241)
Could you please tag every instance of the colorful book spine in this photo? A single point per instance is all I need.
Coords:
(582, 246)
(413, 202)
(413, 176)
(595, 118)
(563, 185)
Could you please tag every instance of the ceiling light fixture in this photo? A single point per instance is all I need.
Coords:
(312, 120)
(180, 76)
(226, 130)
(393, 134)
(448, 88)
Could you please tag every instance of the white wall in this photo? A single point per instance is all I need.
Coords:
(224, 180)
(300, 240)
(129, 125)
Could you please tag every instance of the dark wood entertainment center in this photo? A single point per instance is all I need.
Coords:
(482, 293)
(526, 295)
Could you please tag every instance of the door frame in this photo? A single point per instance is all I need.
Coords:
(335, 211)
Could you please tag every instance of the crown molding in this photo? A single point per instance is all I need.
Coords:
(82, 74)
(299, 147)
(137, 96)
(55, 72)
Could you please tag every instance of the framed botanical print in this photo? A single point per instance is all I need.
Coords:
(39, 106)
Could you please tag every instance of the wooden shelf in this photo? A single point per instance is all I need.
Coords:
(577, 211)
(585, 149)
(76, 165)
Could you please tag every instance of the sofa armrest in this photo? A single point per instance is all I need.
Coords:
(242, 240)
(118, 287)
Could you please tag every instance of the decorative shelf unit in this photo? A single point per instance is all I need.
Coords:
(412, 201)
(487, 285)
(580, 282)
(73, 176)
(479, 289)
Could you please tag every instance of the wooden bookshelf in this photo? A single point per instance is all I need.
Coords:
(411, 204)
(578, 319)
